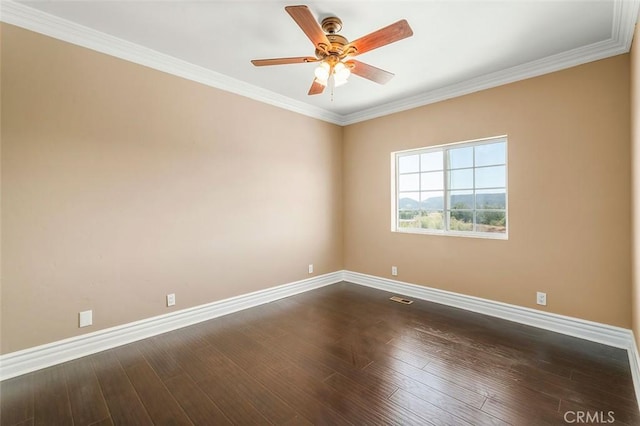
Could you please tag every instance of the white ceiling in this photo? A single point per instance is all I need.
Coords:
(458, 46)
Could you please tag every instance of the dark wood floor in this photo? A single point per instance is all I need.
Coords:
(342, 354)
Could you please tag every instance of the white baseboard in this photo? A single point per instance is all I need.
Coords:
(596, 332)
(21, 362)
(17, 363)
(634, 363)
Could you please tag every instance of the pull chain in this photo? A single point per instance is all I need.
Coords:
(332, 85)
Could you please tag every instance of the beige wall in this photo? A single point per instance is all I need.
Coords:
(121, 184)
(569, 186)
(635, 185)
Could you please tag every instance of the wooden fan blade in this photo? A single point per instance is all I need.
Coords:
(382, 37)
(307, 22)
(283, 61)
(316, 88)
(370, 72)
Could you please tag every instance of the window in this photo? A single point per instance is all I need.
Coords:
(456, 189)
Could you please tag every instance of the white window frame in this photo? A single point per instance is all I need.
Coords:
(445, 150)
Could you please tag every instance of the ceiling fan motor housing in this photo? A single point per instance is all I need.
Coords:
(331, 25)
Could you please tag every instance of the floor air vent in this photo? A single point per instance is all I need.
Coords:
(401, 300)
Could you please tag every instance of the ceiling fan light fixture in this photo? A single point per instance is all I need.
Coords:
(322, 73)
(338, 82)
(341, 71)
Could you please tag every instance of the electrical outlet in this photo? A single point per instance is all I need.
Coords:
(394, 271)
(311, 268)
(85, 318)
(171, 299)
(541, 298)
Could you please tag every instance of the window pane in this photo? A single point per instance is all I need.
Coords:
(409, 219)
(432, 200)
(461, 157)
(409, 182)
(489, 221)
(431, 161)
(461, 179)
(453, 189)
(490, 154)
(409, 201)
(490, 177)
(491, 199)
(409, 164)
(460, 200)
(461, 220)
(431, 181)
(432, 220)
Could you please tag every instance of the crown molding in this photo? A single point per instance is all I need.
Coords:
(71, 32)
(625, 16)
(536, 68)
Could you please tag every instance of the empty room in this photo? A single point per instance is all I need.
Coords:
(357, 212)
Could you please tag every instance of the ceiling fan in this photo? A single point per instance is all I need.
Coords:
(334, 52)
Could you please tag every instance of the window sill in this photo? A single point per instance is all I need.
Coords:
(481, 235)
